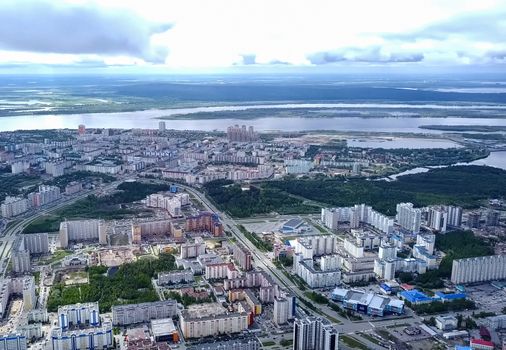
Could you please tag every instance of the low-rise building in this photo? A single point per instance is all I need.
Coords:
(446, 323)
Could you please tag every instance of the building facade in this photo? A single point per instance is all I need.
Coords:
(123, 315)
(480, 269)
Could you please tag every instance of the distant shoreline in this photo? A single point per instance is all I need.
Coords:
(464, 128)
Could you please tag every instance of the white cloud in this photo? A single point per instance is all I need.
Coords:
(222, 33)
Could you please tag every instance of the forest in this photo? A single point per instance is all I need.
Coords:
(130, 284)
(243, 203)
(465, 186)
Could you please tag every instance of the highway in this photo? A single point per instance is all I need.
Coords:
(10, 233)
(263, 262)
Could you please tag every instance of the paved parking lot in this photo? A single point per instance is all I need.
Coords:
(487, 297)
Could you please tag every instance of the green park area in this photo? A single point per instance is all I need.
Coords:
(129, 283)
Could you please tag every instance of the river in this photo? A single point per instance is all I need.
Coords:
(148, 119)
(494, 159)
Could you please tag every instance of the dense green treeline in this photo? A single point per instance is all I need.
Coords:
(64, 180)
(230, 197)
(11, 185)
(438, 307)
(130, 284)
(460, 185)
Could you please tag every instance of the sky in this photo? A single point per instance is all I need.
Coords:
(239, 36)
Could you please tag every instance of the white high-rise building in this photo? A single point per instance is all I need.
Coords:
(29, 296)
(14, 206)
(330, 262)
(24, 286)
(20, 167)
(480, 269)
(385, 269)
(36, 243)
(360, 213)
(438, 218)
(45, 195)
(55, 169)
(21, 261)
(454, 216)
(99, 337)
(81, 231)
(281, 311)
(387, 251)
(78, 315)
(13, 342)
(123, 315)
(312, 333)
(409, 218)
(161, 126)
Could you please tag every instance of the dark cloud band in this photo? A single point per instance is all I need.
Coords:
(56, 27)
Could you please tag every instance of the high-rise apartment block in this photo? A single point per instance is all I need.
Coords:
(441, 217)
(14, 206)
(480, 269)
(77, 315)
(205, 222)
(356, 215)
(492, 218)
(193, 250)
(123, 315)
(241, 134)
(82, 231)
(16, 341)
(473, 219)
(45, 195)
(281, 311)
(313, 333)
(408, 217)
(242, 256)
(437, 218)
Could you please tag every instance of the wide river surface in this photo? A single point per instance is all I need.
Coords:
(148, 119)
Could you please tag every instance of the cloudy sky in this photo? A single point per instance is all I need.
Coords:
(221, 35)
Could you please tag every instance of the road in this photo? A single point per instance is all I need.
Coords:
(262, 261)
(10, 234)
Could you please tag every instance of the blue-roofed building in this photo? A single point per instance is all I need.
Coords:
(416, 297)
(367, 303)
(385, 288)
(449, 296)
(292, 225)
(462, 347)
(460, 288)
